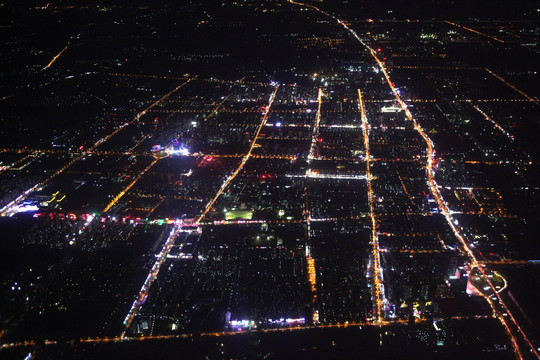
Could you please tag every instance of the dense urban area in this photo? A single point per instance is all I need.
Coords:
(269, 180)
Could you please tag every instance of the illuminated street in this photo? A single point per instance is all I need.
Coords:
(270, 180)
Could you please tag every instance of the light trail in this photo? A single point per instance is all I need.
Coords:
(254, 156)
(504, 262)
(498, 317)
(216, 108)
(487, 117)
(245, 158)
(19, 164)
(122, 193)
(131, 149)
(213, 80)
(55, 57)
(344, 325)
(474, 31)
(378, 284)
(505, 310)
(328, 111)
(138, 116)
(337, 126)
(436, 67)
(6, 97)
(456, 100)
(472, 196)
(403, 185)
(120, 339)
(312, 277)
(152, 275)
(418, 251)
(221, 103)
(432, 184)
(511, 86)
(310, 261)
(361, 217)
(315, 134)
(310, 174)
(504, 281)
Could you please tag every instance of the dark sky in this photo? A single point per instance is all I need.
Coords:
(438, 9)
(400, 9)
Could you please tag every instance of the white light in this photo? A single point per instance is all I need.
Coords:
(181, 151)
(25, 208)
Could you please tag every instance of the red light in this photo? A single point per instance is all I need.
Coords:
(209, 158)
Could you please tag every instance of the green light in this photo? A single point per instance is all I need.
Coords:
(239, 214)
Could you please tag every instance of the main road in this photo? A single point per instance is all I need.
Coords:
(177, 228)
(508, 321)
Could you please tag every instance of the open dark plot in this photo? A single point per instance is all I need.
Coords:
(75, 286)
(232, 270)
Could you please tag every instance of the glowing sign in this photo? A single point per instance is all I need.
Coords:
(25, 208)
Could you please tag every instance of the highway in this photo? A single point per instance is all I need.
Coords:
(511, 86)
(119, 339)
(129, 186)
(216, 108)
(152, 275)
(488, 118)
(474, 31)
(378, 281)
(55, 58)
(315, 134)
